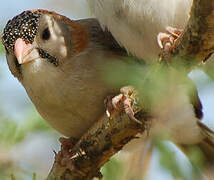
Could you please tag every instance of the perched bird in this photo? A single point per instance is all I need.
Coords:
(136, 24)
(60, 63)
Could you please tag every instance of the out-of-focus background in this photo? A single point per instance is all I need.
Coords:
(27, 143)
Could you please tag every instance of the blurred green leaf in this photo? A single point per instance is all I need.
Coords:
(35, 123)
(152, 82)
(197, 159)
(13, 177)
(167, 159)
(12, 132)
(34, 176)
(1, 48)
(112, 170)
(169, 162)
(196, 156)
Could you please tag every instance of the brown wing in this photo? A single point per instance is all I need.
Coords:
(102, 38)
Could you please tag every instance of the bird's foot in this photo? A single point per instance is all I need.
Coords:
(66, 157)
(65, 153)
(167, 40)
(126, 101)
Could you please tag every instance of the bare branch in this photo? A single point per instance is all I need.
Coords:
(98, 145)
(196, 44)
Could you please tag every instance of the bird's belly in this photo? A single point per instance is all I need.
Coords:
(69, 123)
(69, 103)
(67, 115)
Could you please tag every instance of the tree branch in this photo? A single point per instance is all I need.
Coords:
(196, 44)
(98, 145)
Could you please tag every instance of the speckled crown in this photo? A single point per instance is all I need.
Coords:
(23, 26)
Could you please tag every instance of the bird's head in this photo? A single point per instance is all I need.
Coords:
(41, 36)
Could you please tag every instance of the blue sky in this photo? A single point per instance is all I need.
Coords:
(12, 7)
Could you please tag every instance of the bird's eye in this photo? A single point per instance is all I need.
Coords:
(46, 34)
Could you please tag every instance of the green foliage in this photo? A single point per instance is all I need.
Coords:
(1, 48)
(34, 176)
(13, 177)
(11, 132)
(197, 159)
(35, 123)
(8, 132)
(169, 162)
(167, 159)
(152, 82)
(112, 170)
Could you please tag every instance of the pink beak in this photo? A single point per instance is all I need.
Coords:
(23, 51)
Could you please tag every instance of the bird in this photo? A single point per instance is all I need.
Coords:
(60, 63)
(136, 24)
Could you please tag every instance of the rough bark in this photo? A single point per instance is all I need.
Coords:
(196, 44)
(98, 145)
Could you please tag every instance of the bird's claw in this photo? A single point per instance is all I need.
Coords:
(65, 153)
(167, 40)
(66, 157)
(126, 101)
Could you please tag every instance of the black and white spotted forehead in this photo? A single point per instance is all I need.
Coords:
(23, 26)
